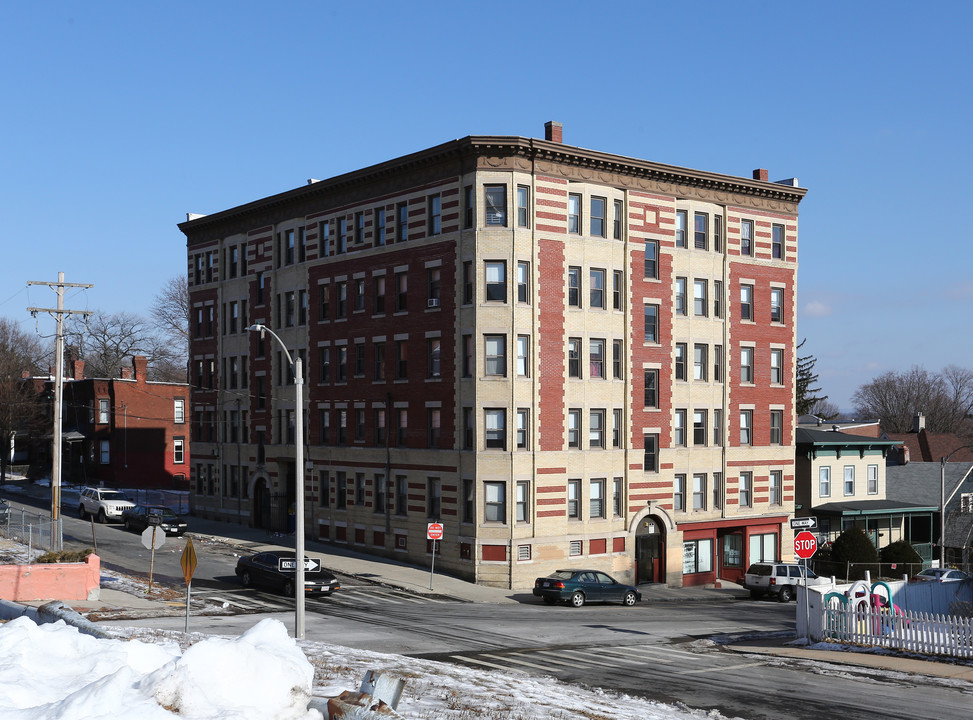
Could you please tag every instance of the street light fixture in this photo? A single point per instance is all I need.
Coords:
(942, 503)
(296, 364)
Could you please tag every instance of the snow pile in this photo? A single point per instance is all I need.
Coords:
(52, 671)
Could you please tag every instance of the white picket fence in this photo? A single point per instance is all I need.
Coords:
(919, 632)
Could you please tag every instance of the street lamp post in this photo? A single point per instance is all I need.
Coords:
(942, 503)
(296, 364)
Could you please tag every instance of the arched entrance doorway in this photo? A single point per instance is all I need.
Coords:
(650, 551)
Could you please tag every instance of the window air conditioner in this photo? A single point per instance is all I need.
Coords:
(432, 302)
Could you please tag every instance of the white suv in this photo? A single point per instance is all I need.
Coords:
(778, 579)
(103, 503)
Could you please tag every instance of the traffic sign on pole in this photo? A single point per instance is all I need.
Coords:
(805, 545)
(434, 531)
(804, 523)
(188, 561)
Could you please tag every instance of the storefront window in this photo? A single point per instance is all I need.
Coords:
(697, 556)
(732, 550)
(763, 548)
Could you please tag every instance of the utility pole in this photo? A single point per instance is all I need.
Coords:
(59, 312)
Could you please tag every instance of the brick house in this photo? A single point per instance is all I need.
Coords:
(125, 432)
(565, 356)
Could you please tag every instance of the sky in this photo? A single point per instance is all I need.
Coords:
(119, 118)
(53, 671)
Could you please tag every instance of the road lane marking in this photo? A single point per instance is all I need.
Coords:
(720, 668)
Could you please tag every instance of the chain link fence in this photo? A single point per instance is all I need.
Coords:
(32, 530)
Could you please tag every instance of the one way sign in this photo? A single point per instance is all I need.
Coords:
(804, 523)
(290, 564)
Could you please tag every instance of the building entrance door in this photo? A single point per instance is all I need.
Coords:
(650, 552)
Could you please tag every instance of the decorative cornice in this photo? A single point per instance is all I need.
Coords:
(458, 157)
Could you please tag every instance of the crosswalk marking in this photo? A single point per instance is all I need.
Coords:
(354, 596)
(718, 668)
(481, 662)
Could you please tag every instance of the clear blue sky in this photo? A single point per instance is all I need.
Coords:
(118, 118)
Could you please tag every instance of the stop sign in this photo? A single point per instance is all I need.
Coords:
(805, 545)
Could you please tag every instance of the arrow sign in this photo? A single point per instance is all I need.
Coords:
(290, 565)
(804, 523)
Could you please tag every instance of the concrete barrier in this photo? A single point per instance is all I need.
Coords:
(51, 581)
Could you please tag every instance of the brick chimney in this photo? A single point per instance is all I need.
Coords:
(126, 372)
(552, 131)
(140, 363)
(918, 422)
(760, 174)
(77, 369)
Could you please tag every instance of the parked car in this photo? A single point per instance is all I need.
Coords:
(939, 575)
(140, 517)
(577, 587)
(103, 503)
(780, 579)
(264, 569)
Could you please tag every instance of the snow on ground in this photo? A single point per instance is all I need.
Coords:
(54, 672)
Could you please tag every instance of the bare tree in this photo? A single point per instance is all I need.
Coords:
(171, 312)
(107, 340)
(946, 399)
(20, 354)
(825, 409)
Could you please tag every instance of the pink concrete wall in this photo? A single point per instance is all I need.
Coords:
(51, 581)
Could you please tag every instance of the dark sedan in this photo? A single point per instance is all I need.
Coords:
(140, 517)
(580, 586)
(263, 569)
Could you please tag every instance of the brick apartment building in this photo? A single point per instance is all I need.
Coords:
(125, 432)
(569, 358)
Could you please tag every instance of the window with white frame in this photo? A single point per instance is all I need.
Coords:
(776, 487)
(596, 358)
(596, 498)
(495, 502)
(523, 282)
(776, 305)
(700, 301)
(679, 493)
(596, 429)
(681, 296)
(596, 288)
(496, 428)
(574, 213)
(617, 497)
(651, 323)
(718, 427)
(824, 481)
(574, 428)
(523, 206)
(103, 414)
(651, 396)
(574, 287)
(523, 428)
(681, 350)
(700, 231)
(651, 269)
(179, 411)
(682, 221)
(700, 361)
(697, 556)
(574, 357)
(104, 454)
(495, 355)
(849, 480)
(746, 364)
(598, 215)
(495, 197)
(699, 491)
(699, 428)
(777, 242)
(746, 302)
(496, 280)
(523, 355)
(746, 427)
(746, 489)
(523, 502)
(871, 479)
(776, 427)
(650, 452)
(178, 450)
(574, 499)
(746, 237)
(777, 366)
(679, 429)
